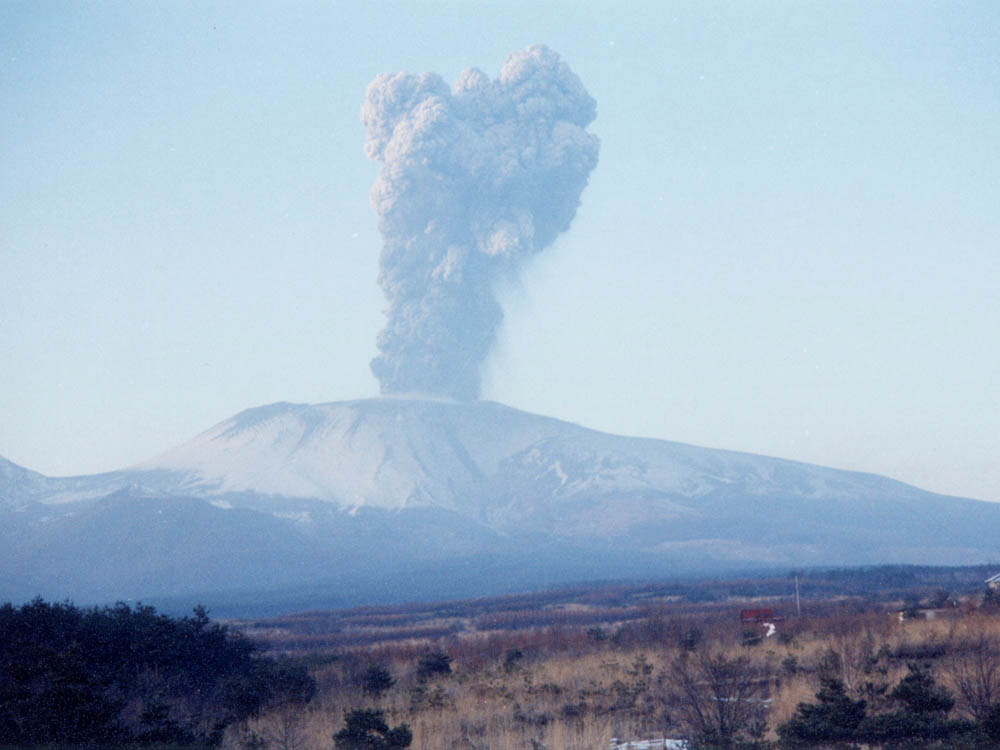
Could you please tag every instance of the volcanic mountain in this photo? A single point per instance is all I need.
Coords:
(395, 498)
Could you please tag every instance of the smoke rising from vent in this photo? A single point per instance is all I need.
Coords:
(475, 179)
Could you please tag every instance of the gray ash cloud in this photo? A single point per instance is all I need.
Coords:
(475, 179)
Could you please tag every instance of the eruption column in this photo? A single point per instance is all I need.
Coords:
(474, 180)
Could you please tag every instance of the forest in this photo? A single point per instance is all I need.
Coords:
(126, 676)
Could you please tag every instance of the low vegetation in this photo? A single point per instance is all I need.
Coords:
(884, 658)
(573, 669)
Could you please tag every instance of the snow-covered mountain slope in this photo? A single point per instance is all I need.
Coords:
(18, 484)
(375, 488)
(468, 457)
(384, 453)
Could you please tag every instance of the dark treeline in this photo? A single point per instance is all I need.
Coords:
(127, 676)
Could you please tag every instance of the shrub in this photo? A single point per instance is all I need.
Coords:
(376, 680)
(367, 730)
(431, 665)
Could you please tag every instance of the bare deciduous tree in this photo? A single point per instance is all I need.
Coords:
(975, 673)
(716, 697)
(282, 729)
(855, 657)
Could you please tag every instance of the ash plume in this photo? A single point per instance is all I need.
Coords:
(475, 179)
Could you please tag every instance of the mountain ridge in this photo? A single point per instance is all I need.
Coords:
(371, 488)
(488, 454)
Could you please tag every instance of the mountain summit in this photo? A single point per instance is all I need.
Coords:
(394, 497)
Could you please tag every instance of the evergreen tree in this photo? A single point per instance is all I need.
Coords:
(921, 715)
(833, 720)
(113, 676)
(376, 680)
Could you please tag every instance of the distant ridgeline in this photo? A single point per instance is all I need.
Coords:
(119, 676)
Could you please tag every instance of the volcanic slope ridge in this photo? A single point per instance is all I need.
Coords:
(426, 491)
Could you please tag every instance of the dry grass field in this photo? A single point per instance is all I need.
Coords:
(571, 670)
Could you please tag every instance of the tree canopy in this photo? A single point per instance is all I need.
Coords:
(130, 675)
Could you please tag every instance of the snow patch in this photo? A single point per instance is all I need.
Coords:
(563, 478)
(660, 744)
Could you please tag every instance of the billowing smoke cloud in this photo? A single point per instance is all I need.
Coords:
(475, 180)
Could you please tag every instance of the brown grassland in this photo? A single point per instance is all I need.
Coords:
(573, 669)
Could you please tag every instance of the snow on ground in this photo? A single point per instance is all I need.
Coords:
(660, 744)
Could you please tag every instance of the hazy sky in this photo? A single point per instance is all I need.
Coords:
(789, 246)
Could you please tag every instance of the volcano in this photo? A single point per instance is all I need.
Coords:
(389, 499)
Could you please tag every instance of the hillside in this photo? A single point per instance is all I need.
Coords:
(394, 498)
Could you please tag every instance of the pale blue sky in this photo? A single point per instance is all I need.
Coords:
(790, 244)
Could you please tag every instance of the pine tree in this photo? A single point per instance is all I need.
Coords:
(833, 720)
